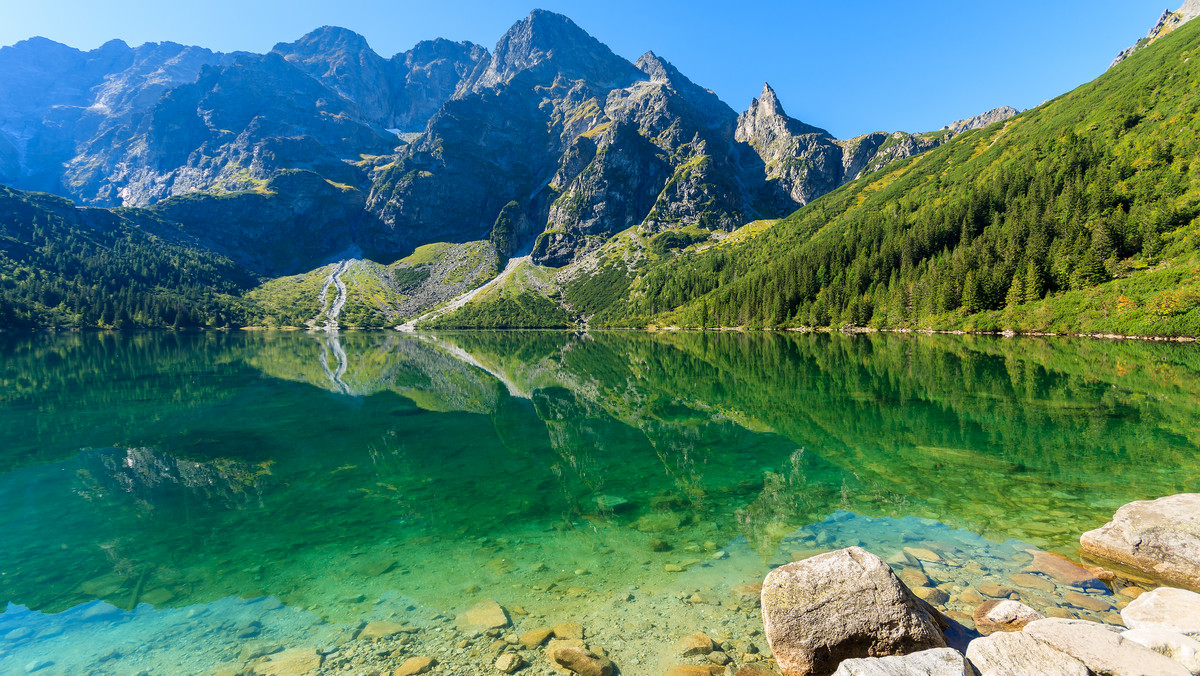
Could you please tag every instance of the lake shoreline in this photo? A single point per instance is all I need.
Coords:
(646, 329)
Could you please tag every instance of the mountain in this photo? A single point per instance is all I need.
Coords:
(323, 151)
(1166, 23)
(400, 93)
(1081, 215)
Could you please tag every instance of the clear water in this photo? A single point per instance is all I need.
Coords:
(167, 500)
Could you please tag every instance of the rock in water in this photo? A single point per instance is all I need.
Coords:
(1176, 610)
(1102, 651)
(568, 630)
(696, 644)
(415, 665)
(936, 662)
(536, 637)
(377, 630)
(993, 616)
(1183, 649)
(482, 616)
(509, 662)
(292, 662)
(1160, 537)
(1064, 571)
(580, 660)
(1019, 653)
(844, 604)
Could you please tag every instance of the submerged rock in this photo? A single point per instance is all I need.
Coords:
(568, 630)
(1019, 653)
(1176, 610)
(579, 660)
(696, 644)
(748, 594)
(291, 662)
(936, 662)
(1087, 601)
(1102, 650)
(1064, 571)
(994, 616)
(509, 663)
(844, 604)
(1160, 537)
(996, 591)
(415, 665)
(377, 630)
(697, 670)
(482, 616)
(534, 638)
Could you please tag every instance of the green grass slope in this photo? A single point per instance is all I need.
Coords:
(1077, 216)
(526, 299)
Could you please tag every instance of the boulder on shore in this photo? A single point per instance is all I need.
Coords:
(1176, 610)
(845, 604)
(1019, 653)
(1101, 649)
(935, 662)
(1183, 649)
(1160, 537)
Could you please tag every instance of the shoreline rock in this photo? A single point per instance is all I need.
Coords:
(1159, 537)
(1176, 610)
(935, 662)
(842, 605)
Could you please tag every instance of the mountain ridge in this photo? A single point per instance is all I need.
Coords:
(548, 143)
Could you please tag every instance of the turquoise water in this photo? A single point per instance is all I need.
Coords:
(212, 490)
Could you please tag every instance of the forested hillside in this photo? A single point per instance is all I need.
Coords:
(1079, 215)
(61, 266)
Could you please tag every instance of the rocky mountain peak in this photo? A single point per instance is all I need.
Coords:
(1168, 22)
(982, 120)
(765, 121)
(704, 101)
(548, 45)
(428, 51)
(326, 40)
(656, 68)
(767, 102)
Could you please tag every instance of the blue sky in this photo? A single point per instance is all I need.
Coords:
(848, 67)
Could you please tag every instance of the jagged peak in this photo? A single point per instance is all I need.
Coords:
(766, 117)
(658, 69)
(768, 103)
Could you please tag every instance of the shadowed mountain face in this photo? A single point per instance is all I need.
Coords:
(313, 136)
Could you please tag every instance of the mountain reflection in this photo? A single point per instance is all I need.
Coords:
(237, 464)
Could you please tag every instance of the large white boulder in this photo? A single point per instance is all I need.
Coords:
(1019, 654)
(1176, 610)
(935, 662)
(1160, 537)
(1102, 650)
